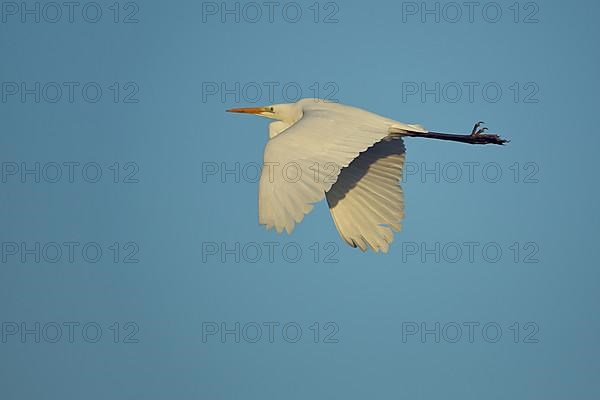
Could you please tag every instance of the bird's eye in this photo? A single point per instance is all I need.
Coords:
(271, 109)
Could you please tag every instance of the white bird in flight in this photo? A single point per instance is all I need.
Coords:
(352, 157)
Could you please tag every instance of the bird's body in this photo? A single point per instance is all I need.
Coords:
(353, 157)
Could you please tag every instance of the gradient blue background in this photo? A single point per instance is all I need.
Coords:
(171, 132)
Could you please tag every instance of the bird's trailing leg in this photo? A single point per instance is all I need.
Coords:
(477, 130)
(477, 136)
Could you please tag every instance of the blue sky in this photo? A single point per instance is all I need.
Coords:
(129, 204)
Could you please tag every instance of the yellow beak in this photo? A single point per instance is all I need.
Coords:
(249, 110)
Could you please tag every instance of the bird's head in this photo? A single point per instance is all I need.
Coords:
(282, 112)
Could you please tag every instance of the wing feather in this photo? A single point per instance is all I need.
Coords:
(303, 161)
(366, 202)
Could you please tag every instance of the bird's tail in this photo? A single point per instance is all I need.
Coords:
(399, 128)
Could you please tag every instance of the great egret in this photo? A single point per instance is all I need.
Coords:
(351, 156)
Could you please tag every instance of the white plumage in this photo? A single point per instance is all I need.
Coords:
(351, 156)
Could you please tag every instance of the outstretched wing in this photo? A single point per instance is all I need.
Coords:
(366, 202)
(304, 161)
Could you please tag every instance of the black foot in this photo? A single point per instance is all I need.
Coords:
(477, 130)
